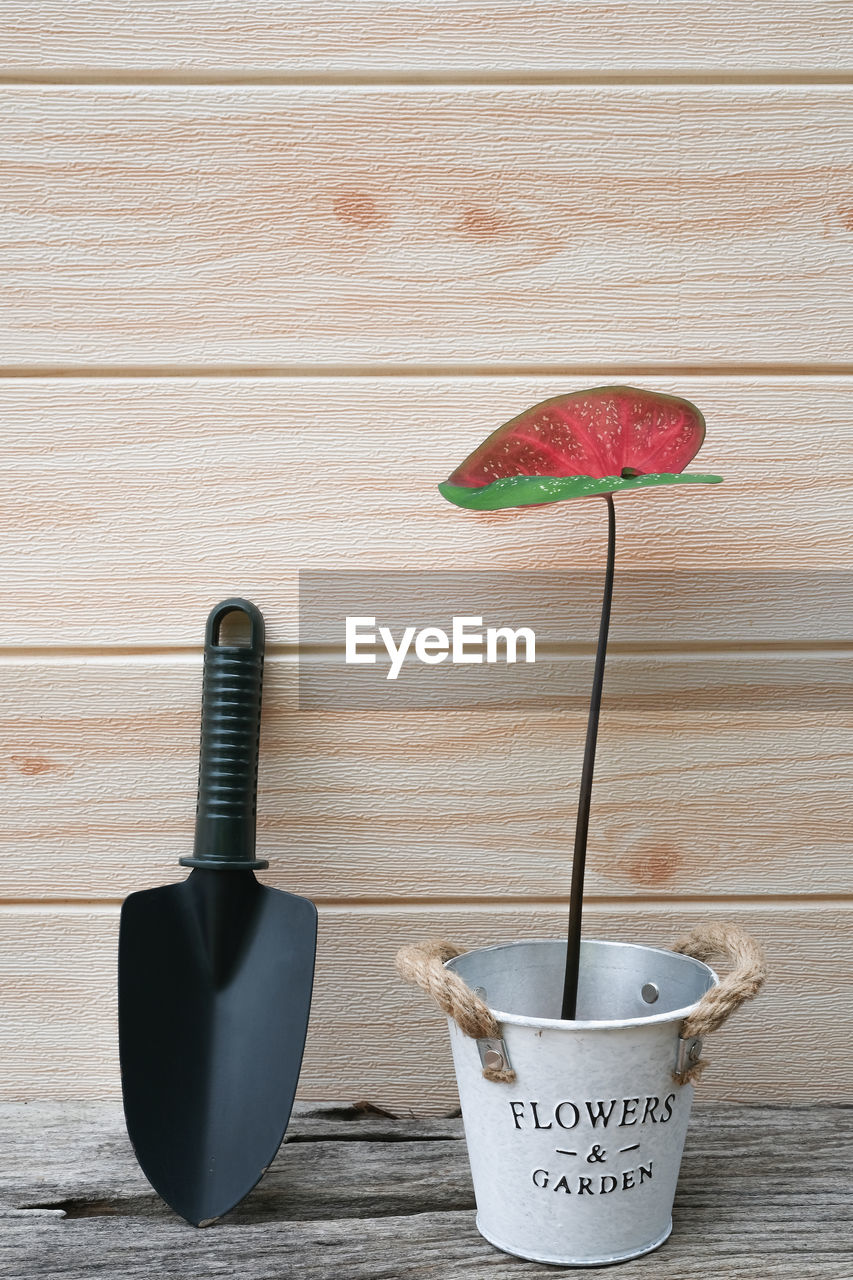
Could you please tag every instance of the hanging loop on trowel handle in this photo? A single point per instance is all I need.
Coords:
(230, 731)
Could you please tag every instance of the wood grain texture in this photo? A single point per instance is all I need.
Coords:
(386, 36)
(400, 1202)
(143, 501)
(59, 1000)
(347, 220)
(716, 777)
(99, 1164)
(320, 226)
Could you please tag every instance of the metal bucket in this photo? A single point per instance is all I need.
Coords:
(575, 1161)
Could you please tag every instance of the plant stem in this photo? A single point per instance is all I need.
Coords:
(570, 984)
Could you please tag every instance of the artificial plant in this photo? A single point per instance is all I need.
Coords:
(592, 443)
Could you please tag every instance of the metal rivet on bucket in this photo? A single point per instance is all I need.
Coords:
(493, 1054)
(650, 992)
(689, 1053)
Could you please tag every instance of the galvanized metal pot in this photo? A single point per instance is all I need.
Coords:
(576, 1159)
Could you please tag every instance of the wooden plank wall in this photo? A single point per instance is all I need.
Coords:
(268, 272)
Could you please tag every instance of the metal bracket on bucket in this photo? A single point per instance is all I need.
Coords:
(689, 1053)
(493, 1054)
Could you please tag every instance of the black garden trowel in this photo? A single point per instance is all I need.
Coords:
(215, 973)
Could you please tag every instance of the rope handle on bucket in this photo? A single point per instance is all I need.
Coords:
(423, 964)
(719, 942)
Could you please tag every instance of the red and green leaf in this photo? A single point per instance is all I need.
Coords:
(603, 440)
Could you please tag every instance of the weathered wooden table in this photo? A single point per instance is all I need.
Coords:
(358, 1195)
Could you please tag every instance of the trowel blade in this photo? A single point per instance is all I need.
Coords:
(215, 981)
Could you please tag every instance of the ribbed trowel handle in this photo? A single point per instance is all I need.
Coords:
(230, 729)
